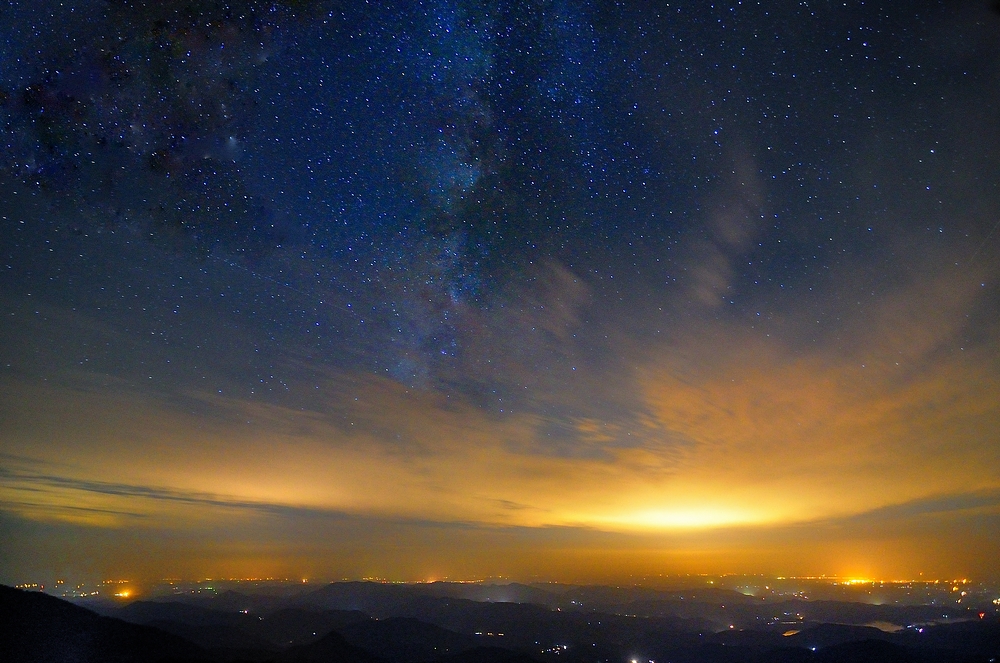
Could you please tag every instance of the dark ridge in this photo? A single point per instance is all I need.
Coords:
(300, 626)
(330, 648)
(228, 628)
(216, 637)
(144, 612)
(829, 635)
(867, 651)
(229, 601)
(977, 639)
(407, 640)
(35, 627)
(487, 655)
(375, 598)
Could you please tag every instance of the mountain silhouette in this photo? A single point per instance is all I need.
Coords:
(299, 626)
(407, 640)
(423, 624)
(331, 648)
(38, 628)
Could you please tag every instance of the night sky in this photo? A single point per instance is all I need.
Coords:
(540, 289)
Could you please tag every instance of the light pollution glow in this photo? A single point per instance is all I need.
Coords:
(759, 439)
(667, 313)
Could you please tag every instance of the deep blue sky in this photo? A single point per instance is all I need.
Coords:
(499, 256)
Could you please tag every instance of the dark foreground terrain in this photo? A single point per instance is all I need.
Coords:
(451, 623)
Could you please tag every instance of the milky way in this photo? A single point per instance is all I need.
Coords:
(740, 259)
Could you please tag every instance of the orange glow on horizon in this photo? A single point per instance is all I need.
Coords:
(752, 457)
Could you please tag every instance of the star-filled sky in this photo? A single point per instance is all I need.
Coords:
(546, 289)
